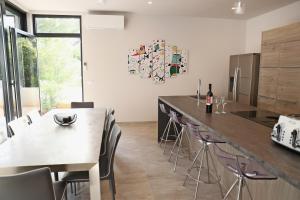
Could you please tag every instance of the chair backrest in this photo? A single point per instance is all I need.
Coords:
(174, 116)
(33, 116)
(32, 185)
(107, 133)
(109, 111)
(112, 146)
(163, 108)
(82, 104)
(227, 159)
(194, 130)
(18, 125)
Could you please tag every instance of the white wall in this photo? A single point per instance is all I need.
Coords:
(280, 17)
(108, 83)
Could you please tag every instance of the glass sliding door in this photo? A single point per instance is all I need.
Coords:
(25, 71)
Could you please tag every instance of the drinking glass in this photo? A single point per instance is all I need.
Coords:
(217, 102)
(223, 102)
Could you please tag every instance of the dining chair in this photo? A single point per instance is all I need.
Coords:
(33, 185)
(18, 125)
(33, 116)
(106, 166)
(106, 134)
(82, 104)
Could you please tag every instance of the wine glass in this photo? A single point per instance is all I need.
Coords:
(222, 101)
(217, 102)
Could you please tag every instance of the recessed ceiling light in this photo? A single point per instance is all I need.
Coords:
(150, 2)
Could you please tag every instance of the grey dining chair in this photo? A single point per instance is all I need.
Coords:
(33, 116)
(17, 125)
(106, 134)
(82, 104)
(106, 166)
(33, 185)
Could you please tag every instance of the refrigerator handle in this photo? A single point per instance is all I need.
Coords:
(234, 85)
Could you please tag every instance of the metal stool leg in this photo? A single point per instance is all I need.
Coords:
(231, 188)
(216, 173)
(248, 190)
(192, 166)
(179, 148)
(163, 138)
(240, 189)
(199, 174)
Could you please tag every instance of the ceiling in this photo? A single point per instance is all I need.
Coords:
(199, 8)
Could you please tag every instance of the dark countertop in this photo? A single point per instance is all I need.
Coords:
(249, 137)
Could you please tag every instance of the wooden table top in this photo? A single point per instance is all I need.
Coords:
(249, 137)
(70, 148)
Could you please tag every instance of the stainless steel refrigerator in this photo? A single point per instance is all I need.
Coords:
(243, 78)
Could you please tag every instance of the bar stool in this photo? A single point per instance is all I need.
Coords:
(242, 167)
(166, 134)
(205, 138)
(178, 143)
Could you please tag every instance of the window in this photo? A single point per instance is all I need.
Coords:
(59, 59)
(15, 17)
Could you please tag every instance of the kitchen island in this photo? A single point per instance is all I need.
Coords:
(247, 137)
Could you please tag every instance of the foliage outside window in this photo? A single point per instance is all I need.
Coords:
(59, 59)
(28, 61)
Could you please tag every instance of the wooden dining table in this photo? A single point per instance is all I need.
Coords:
(61, 148)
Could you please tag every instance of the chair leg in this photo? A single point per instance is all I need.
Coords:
(192, 165)
(230, 189)
(112, 188)
(165, 132)
(199, 174)
(178, 149)
(168, 131)
(240, 189)
(216, 172)
(114, 183)
(245, 182)
(174, 145)
(71, 185)
(75, 188)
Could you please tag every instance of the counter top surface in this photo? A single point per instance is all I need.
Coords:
(249, 137)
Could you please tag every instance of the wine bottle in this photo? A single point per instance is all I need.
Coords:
(209, 100)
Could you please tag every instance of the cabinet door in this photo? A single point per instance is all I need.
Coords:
(290, 54)
(289, 85)
(268, 82)
(270, 55)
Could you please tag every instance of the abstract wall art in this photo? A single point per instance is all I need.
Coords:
(157, 61)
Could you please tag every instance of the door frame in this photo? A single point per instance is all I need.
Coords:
(14, 34)
(4, 69)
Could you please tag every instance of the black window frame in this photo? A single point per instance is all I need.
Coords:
(19, 12)
(62, 35)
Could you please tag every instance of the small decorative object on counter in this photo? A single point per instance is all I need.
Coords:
(65, 119)
(209, 100)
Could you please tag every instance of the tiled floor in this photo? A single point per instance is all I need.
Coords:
(144, 173)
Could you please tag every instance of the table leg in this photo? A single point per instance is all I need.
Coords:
(94, 176)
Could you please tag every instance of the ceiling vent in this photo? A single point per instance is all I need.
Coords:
(102, 22)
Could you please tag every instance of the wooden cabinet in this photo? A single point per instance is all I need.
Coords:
(279, 79)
